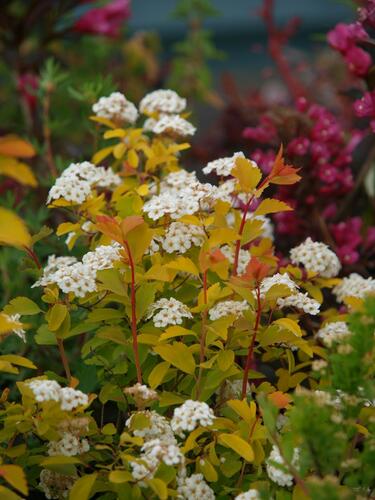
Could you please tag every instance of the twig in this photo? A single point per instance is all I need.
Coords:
(202, 344)
(64, 359)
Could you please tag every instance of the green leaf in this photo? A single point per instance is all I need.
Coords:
(120, 476)
(15, 476)
(23, 306)
(82, 487)
(178, 355)
(157, 374)
(225, 360)
(237, 444)
(145, 296)
(56, 316)
(159, 488)
(18, 360)
(289, 324)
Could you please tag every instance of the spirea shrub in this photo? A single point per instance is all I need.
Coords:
(225, 373)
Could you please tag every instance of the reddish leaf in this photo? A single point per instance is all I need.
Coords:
(12, 145)
(282, 173)
(280, 399)
(110, 227)
(130, 223)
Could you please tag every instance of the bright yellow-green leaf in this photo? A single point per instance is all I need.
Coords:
(178, 355)
(109, 429)
(159, 488)
(119, 150)
(103, 121)
(183, 264)
(56, 316)
(252, 230)
(271, 206)
(225, 360)
(120, 476)
(133, 158)
(67, 227)
(237, 444)
(117, 133)
(143, 190)
(6, 325)
(18, 171)
(175, 331)
(100, 155)
(82, 487)
(13, 230)
(169, 398)
(15, 476)
(59, 460)
(220, 236)
(18, 360)
(191, 441)
(157, 374)
(243, 409)
(7, 494)
(290, 325)
(207, 469)
(23, 306)
(247, 173)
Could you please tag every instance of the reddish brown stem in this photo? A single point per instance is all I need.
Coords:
(202, 344)
(251, 346)
(33, 255)
(134, 314)
(64, 359)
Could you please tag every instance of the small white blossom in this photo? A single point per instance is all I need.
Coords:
(45, 390)
(172, 312)
(19, 331)
(172, 124)
(102, 257)
(316, 257)
(300, 301)
(194, 488)
(72, 398)
(226, 308)
(223, 166)
(141, 394)
(69, 445)
(277, 279)
(158, 428)
(162, 101)
(55, 485)
(163, 451)
(244, 258)
(116, 107)
(248, 495)
(333, 332)
(145, 468)
(279, 474)
(191, 414)
(180, 237)
(354, 285)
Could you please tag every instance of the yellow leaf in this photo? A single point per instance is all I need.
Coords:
(271, 206)
(56, 316)
(242, 409)
(175, 331)
(120, 476)
(18, 171)
(143, 190)
(178, 355)
(100, 155)
(208, 470)
(225, 360)
(191, 441)
(15, 476)
(221, 236)
(183, 264)
(289, 324)
(116, 133)
(252, 230)
(82, 487)
(12, 145)
(191, 219)
(119, 150)
(18, 360)
(67, 227)
(133, 158)
(7, 494)
(237, 444)
(157, 374)
(247, 173)
(159, 488)
(13, 230)
(103, 121)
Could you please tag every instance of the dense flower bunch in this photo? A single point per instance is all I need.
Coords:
(199, 335)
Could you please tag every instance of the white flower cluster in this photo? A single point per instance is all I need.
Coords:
(227, 307)
(158, 427)
(244, 258)
(248, 495)
(162, 101)
(278, 474)
(15, 318)
(333, 332)
(171, 312)
(141, 394)
(69, 445)
(180, 237)
(194, 488)
(301, 301)
(316, 257)
(50, 390)
(79, 277)
(185, 201)
(223, 166)
(116, 107)
(163, 451)
(55, 485)
(354, 285)
(191, 414)
(76, 182)
(170, 124)
(277, 279)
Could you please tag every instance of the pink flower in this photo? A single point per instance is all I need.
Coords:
(298, 146)
(27, 85)
(264, 159)
(347, 232)
(367, 13)
(263, 133)
(106, 21)
(366, 105)
(359, 61)
(343, 36)
(347, 254)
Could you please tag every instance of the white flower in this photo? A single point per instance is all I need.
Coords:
(227, 307)
(279, 475)
(333, 332)
(160, 205)
(162, 101)
(223, 166)
(354, 285)
(116, 107)
(171, 312)
(163, 451)
(45, 390)
(316, 257)
(158, 427)
(69, 445)
(300, 301)
(194, 488)
(142, 394)
(180, 237)
(71, 189)
(72, 398)
(19, 331)
(56, 485)
(145, 469)
(248, 495)
(102, 257)
(244, 258)
(191, 414)
(277, 279)
(172, 124)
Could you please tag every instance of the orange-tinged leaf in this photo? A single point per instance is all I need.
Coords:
(280, 399)
(130, 223)
(110, 227)
(12, 145)
(18, 171)
(13, 230)
(281, 173)
(271, 206)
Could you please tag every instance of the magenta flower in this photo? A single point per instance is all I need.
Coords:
(27, 86)
(298, 146)
(359, 61)
(344, 36)
(366, 105)
(106, 21)
(265, 132)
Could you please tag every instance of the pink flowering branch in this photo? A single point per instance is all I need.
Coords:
(277, 39)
